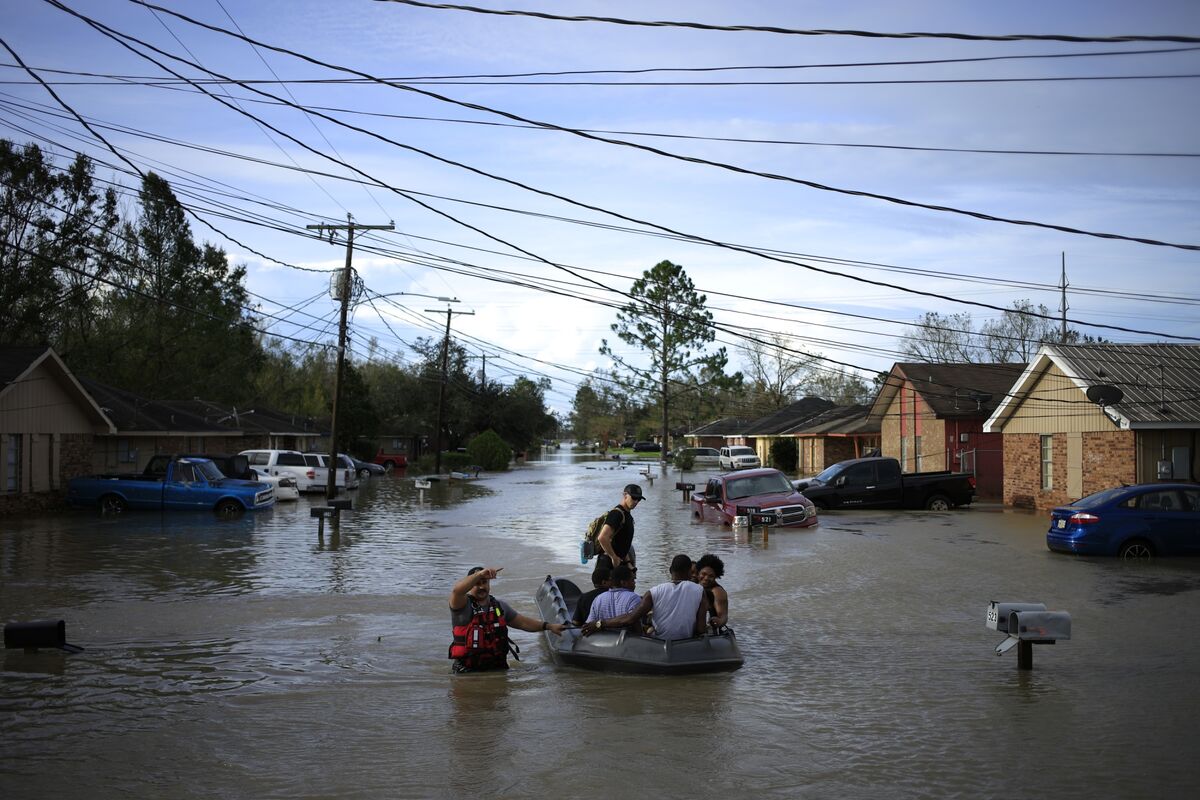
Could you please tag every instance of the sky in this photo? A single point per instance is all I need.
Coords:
(537, 232)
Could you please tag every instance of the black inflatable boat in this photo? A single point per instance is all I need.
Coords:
(625, 651)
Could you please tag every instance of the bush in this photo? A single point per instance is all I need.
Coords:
(785, 455)
(489, 451)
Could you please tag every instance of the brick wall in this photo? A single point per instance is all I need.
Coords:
(1109, 459)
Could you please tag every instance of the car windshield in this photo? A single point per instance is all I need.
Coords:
(740, 451)
(209, 470)
(828, 474)
(1099, 498)
(772, 483)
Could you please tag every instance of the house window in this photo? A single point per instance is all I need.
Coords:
(1047, 463)
(12, 463)
(917, 453)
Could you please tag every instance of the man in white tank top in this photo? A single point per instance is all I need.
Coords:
(678, 606)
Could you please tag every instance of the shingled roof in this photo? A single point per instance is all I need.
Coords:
(725, 426)
(837, 420)
(788, 417)
(1159, 383)
(133, 414)
(951, 390)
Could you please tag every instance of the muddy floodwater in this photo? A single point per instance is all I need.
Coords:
(249, 658)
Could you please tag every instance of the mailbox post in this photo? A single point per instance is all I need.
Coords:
(1027, 624)
(686, 488)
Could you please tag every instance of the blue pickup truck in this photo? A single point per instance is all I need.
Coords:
(186, 484)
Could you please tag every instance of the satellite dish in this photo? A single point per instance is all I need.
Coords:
(1105, 395)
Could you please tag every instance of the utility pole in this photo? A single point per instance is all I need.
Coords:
(1062, 306)
(437, 469)
(345, 286)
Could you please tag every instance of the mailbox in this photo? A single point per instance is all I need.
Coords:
(764, 518)
(685, 487)
(1027, 624)
(998, 613)
(1040, 627)
(745, 511)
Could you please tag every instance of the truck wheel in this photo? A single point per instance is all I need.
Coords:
(938, 502)
(113, 504)
(229, 508)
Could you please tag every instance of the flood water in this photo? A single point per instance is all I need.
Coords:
(250, 658)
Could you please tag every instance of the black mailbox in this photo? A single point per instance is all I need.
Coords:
(745, 511)
(43, 633)
(685, 487)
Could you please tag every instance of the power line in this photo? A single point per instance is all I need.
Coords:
(792, 31)
(666, 154)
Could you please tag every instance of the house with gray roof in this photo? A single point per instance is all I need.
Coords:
(931, 417)
(1081, 418)
(834, 435)
(47, 424)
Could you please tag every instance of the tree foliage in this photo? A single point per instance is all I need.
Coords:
(665, 319)
(129, 297)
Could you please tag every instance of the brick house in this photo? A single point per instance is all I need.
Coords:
(931, 417)
(1060, 444)
(834, 435)
(719, 433)
(765, 430)
(47, 425)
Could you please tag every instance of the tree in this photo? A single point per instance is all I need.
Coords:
(667, 320)
(940, 339)
(1018, 333)
(839, 385)
(774, 371)
(1014, 337)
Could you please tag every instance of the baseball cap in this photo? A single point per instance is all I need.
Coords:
(635, 491)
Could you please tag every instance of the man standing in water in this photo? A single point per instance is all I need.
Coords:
(616, 537)
(481, 622)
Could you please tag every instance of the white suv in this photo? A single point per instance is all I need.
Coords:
(285, 462)
(346, 476)
(739, 458)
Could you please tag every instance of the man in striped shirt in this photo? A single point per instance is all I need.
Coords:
(620, 599)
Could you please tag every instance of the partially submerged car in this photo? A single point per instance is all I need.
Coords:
(1132, 522)
(764, 489)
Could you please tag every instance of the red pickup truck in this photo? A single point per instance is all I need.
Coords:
(390, 460)
(764, 489)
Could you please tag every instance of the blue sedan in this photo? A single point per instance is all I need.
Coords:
(1149, 519)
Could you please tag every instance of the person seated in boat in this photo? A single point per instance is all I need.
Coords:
(678, 605)
(601, 580)
(709, 569)
(481, 622)
(620, 598)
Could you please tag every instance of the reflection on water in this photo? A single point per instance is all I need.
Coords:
(250, 657)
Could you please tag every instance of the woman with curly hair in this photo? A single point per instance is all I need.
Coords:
(709, 569)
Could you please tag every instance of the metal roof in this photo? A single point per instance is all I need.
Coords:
(1159, 383)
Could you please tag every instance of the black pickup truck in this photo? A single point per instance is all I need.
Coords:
(879, 483)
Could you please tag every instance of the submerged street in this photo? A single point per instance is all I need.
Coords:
(249, 658)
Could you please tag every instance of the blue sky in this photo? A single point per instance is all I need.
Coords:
(526, 331)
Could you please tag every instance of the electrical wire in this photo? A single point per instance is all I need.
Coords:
(971, 37)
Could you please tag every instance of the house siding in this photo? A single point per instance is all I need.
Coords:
(907, 417)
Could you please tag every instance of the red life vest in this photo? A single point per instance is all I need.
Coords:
(483, 642)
